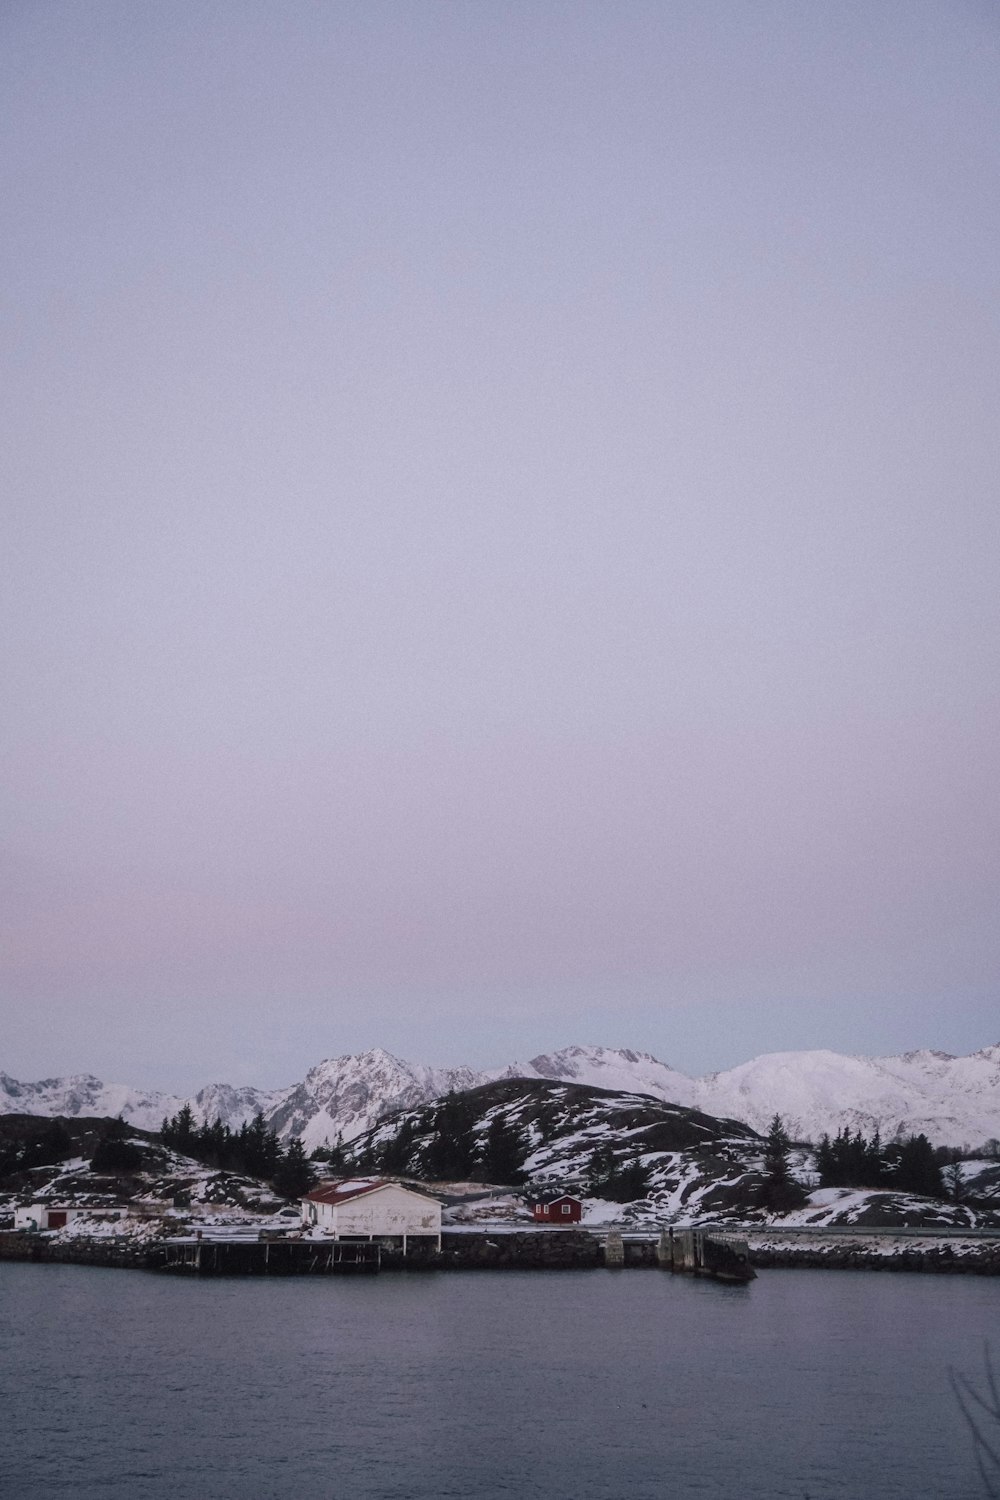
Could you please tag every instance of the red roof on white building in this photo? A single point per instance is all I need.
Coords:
(357, 1187)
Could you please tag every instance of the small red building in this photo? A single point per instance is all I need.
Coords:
(561, 1210)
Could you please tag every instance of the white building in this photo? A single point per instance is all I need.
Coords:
(373, 1209)
(58, 1215)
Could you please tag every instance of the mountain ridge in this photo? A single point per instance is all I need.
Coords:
(955, 1100)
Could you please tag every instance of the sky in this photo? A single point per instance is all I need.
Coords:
(500, 531)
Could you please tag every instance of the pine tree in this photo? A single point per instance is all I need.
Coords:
(504, 1150)
(826, 1163)
(617, 1183)
(630, 1182)
(294, 1174)
(114, 1152)
(451, 1152)
(259, 1149)
(779, 1191)
(601, 1172)
(178, 1132)
(337, 1158)
(396, 1155)
(916, 1169)
(954, 1182)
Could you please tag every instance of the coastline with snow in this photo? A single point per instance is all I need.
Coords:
(139, 1245)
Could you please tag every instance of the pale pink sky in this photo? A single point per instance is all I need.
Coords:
(500, 540)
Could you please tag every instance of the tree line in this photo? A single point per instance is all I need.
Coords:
(908, 1166)
(442, 1143)
(253, 1150)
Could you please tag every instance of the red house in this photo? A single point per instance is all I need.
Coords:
(561, 1210)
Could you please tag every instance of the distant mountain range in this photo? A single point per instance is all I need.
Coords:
(953, 1100)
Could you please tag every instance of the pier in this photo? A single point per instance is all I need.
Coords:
(703, 1252)
(235, 1256)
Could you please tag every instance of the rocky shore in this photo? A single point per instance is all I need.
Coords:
(948, 1256)
(568, 1250)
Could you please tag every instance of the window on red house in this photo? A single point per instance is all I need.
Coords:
(565, 1208)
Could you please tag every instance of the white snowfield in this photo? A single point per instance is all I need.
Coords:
(953, 1100)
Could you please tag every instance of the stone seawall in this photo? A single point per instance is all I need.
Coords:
(110, 1250)
(965, 1258)
(566, 1250)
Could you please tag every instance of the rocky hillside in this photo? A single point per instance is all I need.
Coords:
(348, 1095)
(696, 1168)
(694, 1164)
(50, 1160)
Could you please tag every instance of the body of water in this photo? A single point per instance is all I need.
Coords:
(591, 1385)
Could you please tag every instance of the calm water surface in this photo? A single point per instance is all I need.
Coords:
(589, 1385)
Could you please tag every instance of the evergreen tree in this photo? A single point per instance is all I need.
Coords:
(954, 1182)
(601, 1171)
(179, 1132)
(451, 1152)
(630, 1182)
(337, 1160)
(114, 1154)
(396, 1155)
(259, 1148)
(916, 1170)
(294, 1175)
(618, 1183)
(850, 1160)
(54, 1144)
(826, 1162)
(504, 1150)
(779, 1191)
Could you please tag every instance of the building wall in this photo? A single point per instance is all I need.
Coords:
(553, 1213)
(36, 1215)
(390, 1211)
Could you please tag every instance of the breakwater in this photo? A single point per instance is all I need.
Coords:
(870, 1252)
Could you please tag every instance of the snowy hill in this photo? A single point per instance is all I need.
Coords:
(953, 1100)
(610, 1068)
(699, 1167)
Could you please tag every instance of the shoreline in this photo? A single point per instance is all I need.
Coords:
(770, 1249)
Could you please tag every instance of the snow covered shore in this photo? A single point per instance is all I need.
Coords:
(952, 1253)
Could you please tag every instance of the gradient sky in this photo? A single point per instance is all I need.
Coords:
(500, 531)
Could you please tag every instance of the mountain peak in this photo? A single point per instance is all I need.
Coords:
(953, 1100)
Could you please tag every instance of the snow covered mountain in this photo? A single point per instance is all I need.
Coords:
(341, 1096)
(347, 1095)
(83, 1094)
(953, 1100)
(611, 1068)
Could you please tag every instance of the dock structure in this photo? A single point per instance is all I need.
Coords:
(614, 1249)
(251, 1257)
(702, 1252)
